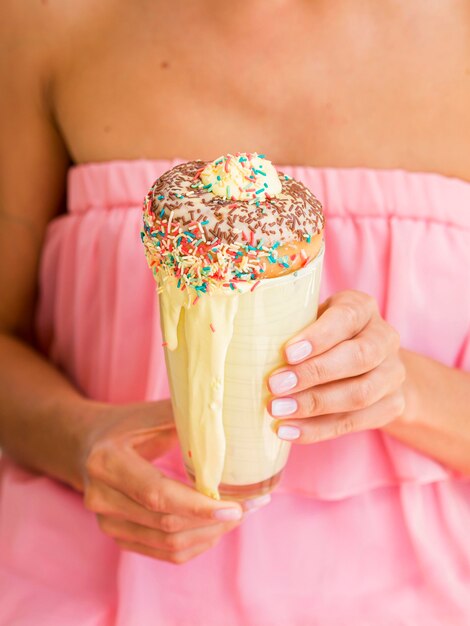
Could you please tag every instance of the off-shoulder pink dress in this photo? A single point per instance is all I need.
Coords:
(362, 530)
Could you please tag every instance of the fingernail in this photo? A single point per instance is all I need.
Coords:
(288, 433)
(298, 351)
(283, 406)
(256, 503)
(227, 515)
(284, 381)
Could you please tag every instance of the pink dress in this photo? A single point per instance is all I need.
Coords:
(362, 530)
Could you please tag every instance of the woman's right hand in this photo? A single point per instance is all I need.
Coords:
(136, 504)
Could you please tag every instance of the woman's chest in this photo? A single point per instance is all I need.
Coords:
(302, 87)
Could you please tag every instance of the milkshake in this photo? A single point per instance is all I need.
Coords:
(236, 249)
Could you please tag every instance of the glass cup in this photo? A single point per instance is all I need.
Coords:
(266, 318)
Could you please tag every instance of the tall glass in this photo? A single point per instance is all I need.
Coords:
(266, 318)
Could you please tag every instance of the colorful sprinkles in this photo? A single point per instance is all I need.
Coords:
(206, 240)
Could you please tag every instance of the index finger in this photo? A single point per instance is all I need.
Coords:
(341, 317)
(138, 479)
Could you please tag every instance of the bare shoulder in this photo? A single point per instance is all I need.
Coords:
(27, 28)
(41, 33)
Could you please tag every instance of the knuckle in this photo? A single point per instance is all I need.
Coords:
(99, 461)
(363, 299)
(199, 510)
(350, 315)
(93, 464)
(153, 500)
(362, 394)
(313, 403)
(346, 295)
(366, 353)
(344, 426)
(314, 370)
(170, 524)
(174, 542)
(178, 558)
(369, 301)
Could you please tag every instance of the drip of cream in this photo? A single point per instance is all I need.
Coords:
(206, 332)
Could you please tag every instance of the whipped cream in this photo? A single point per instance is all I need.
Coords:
(244, 176)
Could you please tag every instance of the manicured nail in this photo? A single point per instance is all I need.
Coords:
(298, 351)
(283, 406)
(227, 515)
(288, 433)
(284, 381)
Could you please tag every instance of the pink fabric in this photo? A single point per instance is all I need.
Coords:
(362, 530)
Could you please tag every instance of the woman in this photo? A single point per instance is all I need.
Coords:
(368, 107)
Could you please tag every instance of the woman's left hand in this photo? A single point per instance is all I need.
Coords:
(344, 373)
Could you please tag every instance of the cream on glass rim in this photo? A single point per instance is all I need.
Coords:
(222, 346)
